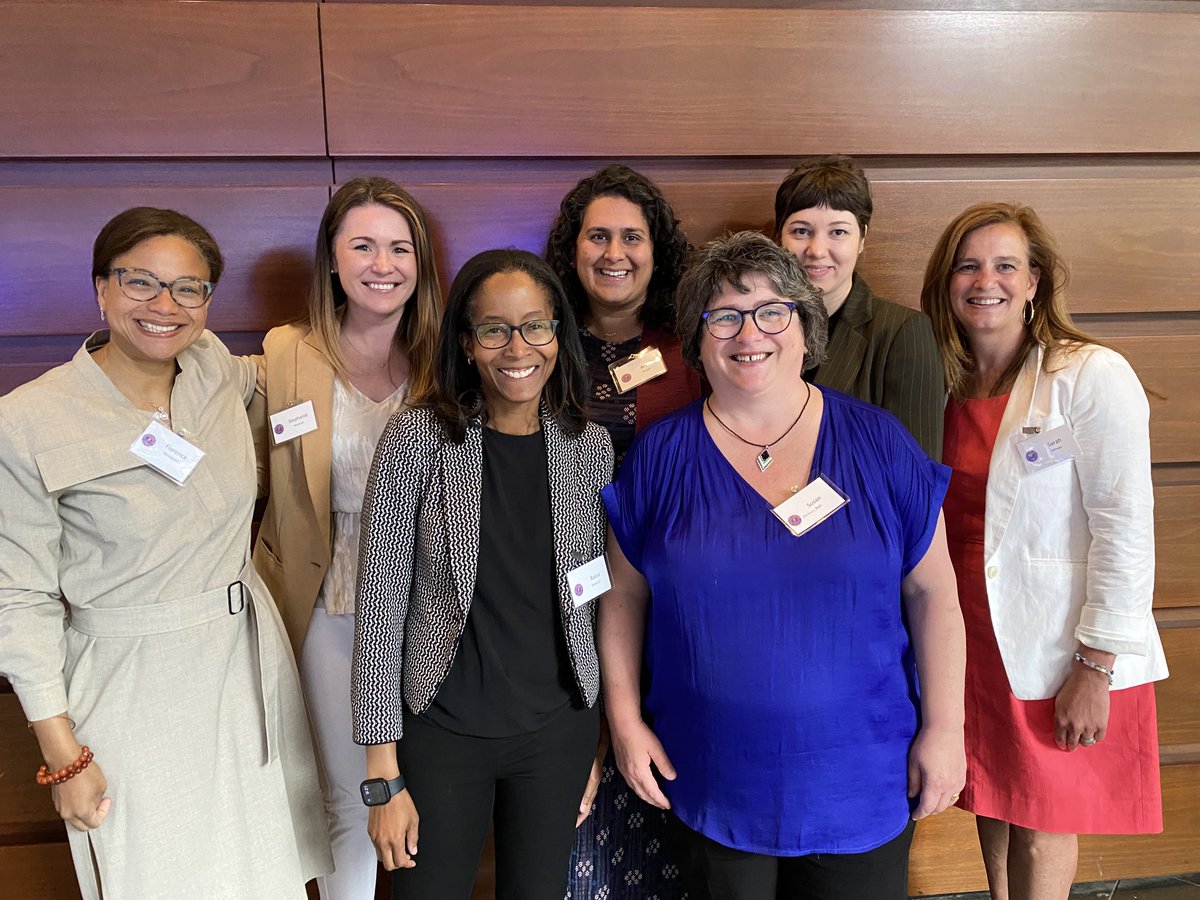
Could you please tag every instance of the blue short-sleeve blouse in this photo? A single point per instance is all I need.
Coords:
(780, 677)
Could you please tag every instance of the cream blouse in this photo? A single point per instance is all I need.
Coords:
(358, 421)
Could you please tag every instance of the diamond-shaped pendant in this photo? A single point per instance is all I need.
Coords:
(764, 460)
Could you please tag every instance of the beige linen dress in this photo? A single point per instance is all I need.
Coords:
(172, 661)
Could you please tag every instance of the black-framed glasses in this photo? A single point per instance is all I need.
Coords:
(771, 317)
(143, 286)
(494, 335)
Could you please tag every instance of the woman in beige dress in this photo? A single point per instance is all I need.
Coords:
(128, 482)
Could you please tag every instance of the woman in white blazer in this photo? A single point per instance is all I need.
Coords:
(1050, 521)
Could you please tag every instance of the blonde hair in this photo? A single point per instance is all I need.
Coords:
(1051, 325)
(417, 330)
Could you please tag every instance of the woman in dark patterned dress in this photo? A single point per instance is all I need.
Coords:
(619, 251)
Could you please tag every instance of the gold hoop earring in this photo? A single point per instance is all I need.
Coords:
(1027, 312)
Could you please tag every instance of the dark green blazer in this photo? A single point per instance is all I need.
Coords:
(885, 354)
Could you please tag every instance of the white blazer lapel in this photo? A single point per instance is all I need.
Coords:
(1004, 470)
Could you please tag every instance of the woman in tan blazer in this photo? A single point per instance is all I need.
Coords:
(326, 389)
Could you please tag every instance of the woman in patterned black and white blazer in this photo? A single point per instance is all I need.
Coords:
(475, 675)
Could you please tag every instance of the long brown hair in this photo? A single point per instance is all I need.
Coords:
(417, 330)
(1051, 325)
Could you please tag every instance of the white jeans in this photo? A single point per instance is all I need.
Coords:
(325, 675)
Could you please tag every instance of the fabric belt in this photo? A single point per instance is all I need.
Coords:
(182, 613)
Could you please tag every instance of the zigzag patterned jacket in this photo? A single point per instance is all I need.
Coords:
(419, 550)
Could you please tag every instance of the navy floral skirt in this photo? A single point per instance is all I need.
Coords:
(620, 850)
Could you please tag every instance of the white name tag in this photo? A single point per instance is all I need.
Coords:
(631, 371)
(589, 581)
(810, 506)
(294, 421)
(166, 452)
(1048, 448)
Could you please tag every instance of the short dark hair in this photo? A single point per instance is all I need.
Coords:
(457, 397)
(729, 260)
(127, 229)
(837, 182)
(670, 243)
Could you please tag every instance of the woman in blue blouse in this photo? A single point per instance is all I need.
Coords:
(791, 540)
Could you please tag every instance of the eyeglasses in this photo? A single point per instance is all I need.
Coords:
(494, 335)
(143, 286)
(771, 318)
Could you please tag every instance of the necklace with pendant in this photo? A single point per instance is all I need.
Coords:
(763, 459)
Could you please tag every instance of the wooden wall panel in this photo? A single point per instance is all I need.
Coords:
(28, 811)
(266, 236)
(1178, 711)
(1169, 365)
(39, 871)
(525, 81)
(946, 856)
(1177, 538)
(124, 78)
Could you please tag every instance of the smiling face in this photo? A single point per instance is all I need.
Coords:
(157, 330)
(827, 242)
(990, 282)
(614, 254)
(511, 378)
(375, 260)
(751, 362)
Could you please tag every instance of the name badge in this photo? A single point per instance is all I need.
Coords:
(810, 506)
(292, 422)
(166, 452)
(589, 581)
(637, 369)
(1048, 448)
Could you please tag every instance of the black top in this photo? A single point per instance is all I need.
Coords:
(616, 412)
(511, 673)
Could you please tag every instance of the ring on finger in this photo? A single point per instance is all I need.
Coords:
(1087, 741)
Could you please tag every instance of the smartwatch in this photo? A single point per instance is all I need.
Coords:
(378, 791)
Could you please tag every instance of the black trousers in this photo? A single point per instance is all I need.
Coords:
(527, 787)
(717, 872)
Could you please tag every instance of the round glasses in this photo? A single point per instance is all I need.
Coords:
(771, 318)
(494, 335)
(143, 286)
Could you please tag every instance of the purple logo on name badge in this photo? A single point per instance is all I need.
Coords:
(148, 440)
(793, 521)
(579, 590)
(279, 429)
(1031, 456)
(626, 377)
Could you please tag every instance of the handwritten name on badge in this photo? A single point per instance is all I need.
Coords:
(810, 506)
(637, 369)
(589, 581)
(290, 423)
(1048, 448)
(166, 452)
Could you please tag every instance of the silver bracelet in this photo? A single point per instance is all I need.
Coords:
(1080, 658)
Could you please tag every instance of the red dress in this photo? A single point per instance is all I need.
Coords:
(1015, 772)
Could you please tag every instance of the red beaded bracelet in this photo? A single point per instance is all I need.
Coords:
(66, 773)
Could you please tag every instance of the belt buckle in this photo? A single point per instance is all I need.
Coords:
(241, 597)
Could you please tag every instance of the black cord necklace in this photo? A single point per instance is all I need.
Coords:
(763, 459)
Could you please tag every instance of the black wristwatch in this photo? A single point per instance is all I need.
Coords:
(378, 791)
